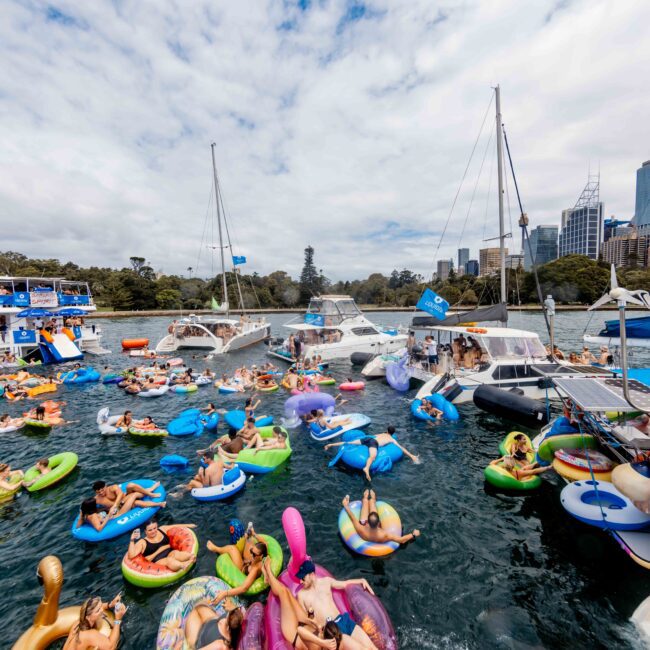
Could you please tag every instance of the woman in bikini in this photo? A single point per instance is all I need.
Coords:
(204, 628)
(510, 464)
(156, 547)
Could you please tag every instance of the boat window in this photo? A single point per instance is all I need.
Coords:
(364, 331)
(348, 308)
(535, 348)
(511, 372)
(315, 306)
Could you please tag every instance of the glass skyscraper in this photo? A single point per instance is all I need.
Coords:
(463, 258)
(642, 206)
(582, 225)
(543, 242)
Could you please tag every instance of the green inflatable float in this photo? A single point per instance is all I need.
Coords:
(60, 466)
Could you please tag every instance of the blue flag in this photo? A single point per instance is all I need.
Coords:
(433, 304)
(238, 259)
(314, 319)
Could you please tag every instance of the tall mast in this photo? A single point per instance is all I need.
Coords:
(218, 202)
(502, 249)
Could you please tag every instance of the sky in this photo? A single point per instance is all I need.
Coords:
(344, 125)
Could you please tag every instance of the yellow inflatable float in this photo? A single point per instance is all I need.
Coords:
(50, 622)
(633, 480)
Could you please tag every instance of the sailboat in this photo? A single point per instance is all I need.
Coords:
(215, 332)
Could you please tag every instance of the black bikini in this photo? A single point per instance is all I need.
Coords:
(209, 633)
(152, 548)
(519, 455)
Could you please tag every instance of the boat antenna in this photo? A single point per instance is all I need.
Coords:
(523, 224)
(502, 249)
(223, 263)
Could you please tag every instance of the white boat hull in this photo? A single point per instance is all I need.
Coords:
(214, 344)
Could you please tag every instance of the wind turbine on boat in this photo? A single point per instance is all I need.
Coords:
(621, 296)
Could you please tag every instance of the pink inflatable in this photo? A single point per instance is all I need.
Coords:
(307, 387)
(364, 608)
(252, 637)
(352, 385)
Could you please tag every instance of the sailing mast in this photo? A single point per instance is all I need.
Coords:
(502, 250)
(218, 202)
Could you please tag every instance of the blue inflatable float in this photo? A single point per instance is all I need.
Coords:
(79, 376)
(120, 525)
(174, 462)
(449, 411)
(356, 455)
(237, 418)
(188, 423)
(211, 421)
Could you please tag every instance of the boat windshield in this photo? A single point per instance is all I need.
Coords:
(327, 312)
(513, 347)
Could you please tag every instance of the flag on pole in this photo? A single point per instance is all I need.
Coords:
(433, 304)
(238, 259)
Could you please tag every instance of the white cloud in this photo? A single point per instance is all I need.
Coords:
(332, 124)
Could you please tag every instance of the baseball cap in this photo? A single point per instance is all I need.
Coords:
(305, 569)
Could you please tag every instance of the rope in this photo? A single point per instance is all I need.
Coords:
(205, 227)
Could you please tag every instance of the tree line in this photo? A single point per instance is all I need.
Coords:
(574, 279)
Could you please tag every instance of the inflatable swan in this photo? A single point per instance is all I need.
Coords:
(50, 622)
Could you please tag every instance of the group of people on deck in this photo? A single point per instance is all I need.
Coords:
(463, 352)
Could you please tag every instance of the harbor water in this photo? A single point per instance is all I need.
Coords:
(490, 570)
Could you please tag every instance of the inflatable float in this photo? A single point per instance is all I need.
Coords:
(237, 418)
(266, 460)
(184, 388)
(60, 466)
(154, 392)
(51, 623)
(122, 524)
(356, 421)
(300, 405)
(548, 446)
(233, 481)
(356, 456)
(134, 344)
(498, 476)
(449, 411)
(79, 376)
(505, 446)
(15, 479)
(229, 573)
(174, 463)
(633, 480)
(600, 504)
(352, 385)
(171, 631)
(573, 465)
(106, 423)
(362, 606)
(390, 522)
(187, 423)
(141, 572)
(137, 431)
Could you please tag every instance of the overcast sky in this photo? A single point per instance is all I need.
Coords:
(345, 125)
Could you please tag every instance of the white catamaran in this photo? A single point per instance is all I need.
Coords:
(217, 333)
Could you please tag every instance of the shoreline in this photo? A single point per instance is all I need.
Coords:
(175, 313)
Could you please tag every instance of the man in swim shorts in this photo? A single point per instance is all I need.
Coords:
(211, 475)
(114, 500)
(368, 526)
(316, 596)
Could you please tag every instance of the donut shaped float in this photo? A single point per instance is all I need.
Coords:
(352, 385)
(390, 522)
(573, 473)
(147, 433)
(550, 445)
(633, 480)
(141, 572)
(233, 481)
(583, 459)
(60, 466)
(498, 476)
(154, 392)
(505, 446)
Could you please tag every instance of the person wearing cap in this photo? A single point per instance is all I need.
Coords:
(316, 596)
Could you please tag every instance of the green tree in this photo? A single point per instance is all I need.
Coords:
(309, 277)
(168, 299)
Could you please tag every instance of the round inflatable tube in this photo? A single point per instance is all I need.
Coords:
(263, 461)
(449, 410)
(171, 631)
(501, 478)
(355, 421)
(356, 456)
(203, 381)
(154, 392)
(15, 479)
(303, 404)
(175, 362)
(581, 459)
(320, 380)
(173, 462)
(572, 473)
(147, 433)
(134, 344)
(60, 466)
(229, 573)
(267, 389)
(252, 636)
(390, 522)
(33, 423)
(123, 524)
(237, 419)
(352, 385)
(505, 446)
(549, 446)
(228, 389)
(600, 504)
(633, 480)
(142, 573)
(185, 388)
(233, 481)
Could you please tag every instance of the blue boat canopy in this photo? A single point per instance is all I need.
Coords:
(635, 328)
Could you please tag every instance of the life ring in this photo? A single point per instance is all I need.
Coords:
(141, 572)
(51, 623)
(580, 459)
(185, 388)
(60, 466)
(233, 481)
(390, 522)
(501, 478)
(599, 503)
(229, 573)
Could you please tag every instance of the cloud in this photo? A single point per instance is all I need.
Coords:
(342, 124)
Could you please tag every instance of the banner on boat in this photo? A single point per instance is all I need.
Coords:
(315, 319)
(43, 299)
(238, 259)
(24, 336)
(433, 304)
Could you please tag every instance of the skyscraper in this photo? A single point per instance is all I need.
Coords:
(444, 266)
(582, 225)
(543, 243)
(642, 206)
(490, 260)
(472, 268)
(463, 258)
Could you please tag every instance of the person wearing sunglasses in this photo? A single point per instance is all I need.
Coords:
(85, 634)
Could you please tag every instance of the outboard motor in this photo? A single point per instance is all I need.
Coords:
(512, 405)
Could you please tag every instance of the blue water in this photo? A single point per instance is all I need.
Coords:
(490, 570)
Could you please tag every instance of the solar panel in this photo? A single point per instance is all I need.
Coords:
(592, 394)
